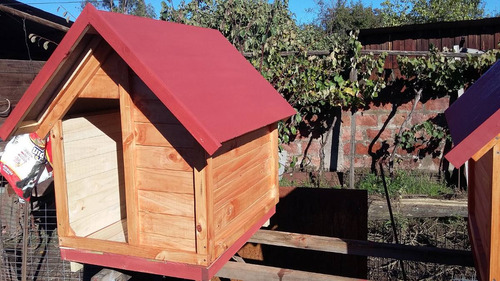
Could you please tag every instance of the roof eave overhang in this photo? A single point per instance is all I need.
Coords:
(476, 140)
(50, 69)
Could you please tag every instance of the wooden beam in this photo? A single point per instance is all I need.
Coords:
(253, 272)
(419, 208)
(363, 248)
(33, 18)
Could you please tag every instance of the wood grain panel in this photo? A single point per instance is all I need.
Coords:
(61, 192)
(168, 242)
(495, 215)
(162, 158)
(231, 209)
(239, 142)
(482, 181)
(101, 86)
(94, 172)
(172, 135)
(150, 252)
(92, 146)
(76, 129)
(176, 204)
(84, 168)
(115, 232)
(153, 111)
(93, 203)
(98, 220)
(167, 225)
(240, 225)
(165, 180)
(227, 173)
(73, 86)
(242, 180)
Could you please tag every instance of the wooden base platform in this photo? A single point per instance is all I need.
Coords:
(179, 270)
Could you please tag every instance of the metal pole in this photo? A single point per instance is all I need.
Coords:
(25, 241)
(393, 223)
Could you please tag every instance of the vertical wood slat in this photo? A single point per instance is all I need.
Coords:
(61, 195)
(275, 162)
(497, 39)
(495, 215)
(128, 156)
(200, 192)
(210, 211)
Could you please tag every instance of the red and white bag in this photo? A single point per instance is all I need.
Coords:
(23, 163)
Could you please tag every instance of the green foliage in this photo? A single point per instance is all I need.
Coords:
(342, 17)
(426, 138)
(432, 77)
(400, 12)
(130, 7)
(404, 183)
(313, 85)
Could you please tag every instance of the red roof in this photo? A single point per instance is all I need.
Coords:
(474, 118)
(197, 74)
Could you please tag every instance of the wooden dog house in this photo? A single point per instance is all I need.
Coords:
(164, 142)
(474, 121)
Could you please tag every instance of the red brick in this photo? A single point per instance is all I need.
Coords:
(372, 133)
(418, 118)
(380, 106)
(376, 146)
(438, 104)
(346, 118)
(409, 105)
(362, 162)
(395, 121)
(292, 148)
(367, 120)
(361, 149)
(346, 134)
(347, 149)
(313, 148)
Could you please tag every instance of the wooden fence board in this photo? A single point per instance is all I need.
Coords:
(363, 248)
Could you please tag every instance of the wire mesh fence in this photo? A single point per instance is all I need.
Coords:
(448, 233)
(43, 261)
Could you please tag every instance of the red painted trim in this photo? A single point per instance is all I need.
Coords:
(196, 73)
(475, 140)
(155, 83)
(179, 270)
(49, 69)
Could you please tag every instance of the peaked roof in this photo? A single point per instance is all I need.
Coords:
(195, 72)
(474, 118)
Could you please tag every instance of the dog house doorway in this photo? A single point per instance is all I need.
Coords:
(93, 159)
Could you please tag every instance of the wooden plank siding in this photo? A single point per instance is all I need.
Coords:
(480, 215)
(495, 215)
(244, 185)
(478, 34)
(89, 210)
(15, 78)
(164, 173)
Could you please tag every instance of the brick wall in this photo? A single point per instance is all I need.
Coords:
(374, 134)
